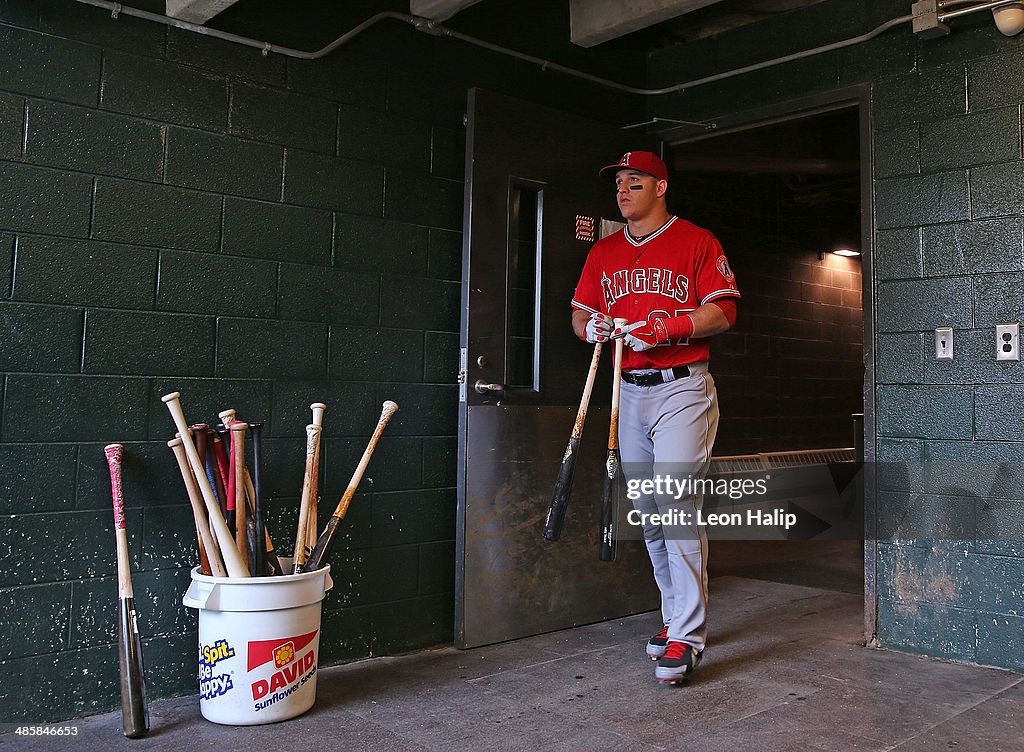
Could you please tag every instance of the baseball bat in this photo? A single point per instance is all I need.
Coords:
(206, 538)
(259, 548)
(318, 557)
(199, 439)
(233, 562)
(214, 448)
(226, 417)
(134, 710)
(612, 467)
(269, 554)
(230, 489)
(225, 473)
(299, 556)
(205, 449)
(238, 429)
(221, 446)
(318, 409)
(563, 483)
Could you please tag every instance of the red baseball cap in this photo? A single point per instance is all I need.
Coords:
(642, 161)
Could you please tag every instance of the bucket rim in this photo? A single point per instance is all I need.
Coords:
(284, 578)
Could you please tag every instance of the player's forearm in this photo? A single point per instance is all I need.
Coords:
(708, 320)
(579, 323)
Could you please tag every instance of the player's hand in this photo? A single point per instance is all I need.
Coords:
(599, 328)
(651, 334)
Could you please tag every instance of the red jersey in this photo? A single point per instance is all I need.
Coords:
(672, 271)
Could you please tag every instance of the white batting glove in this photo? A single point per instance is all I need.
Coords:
(645, 337)
(599, 328)
(638, 345)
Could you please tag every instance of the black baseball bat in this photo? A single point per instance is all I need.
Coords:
(260, 544)
(563, 483)
(612, 467)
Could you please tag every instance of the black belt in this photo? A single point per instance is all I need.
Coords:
(653, 379)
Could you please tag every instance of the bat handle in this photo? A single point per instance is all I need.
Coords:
(238, 429)
(318, 557)
(299, 554)
(233, 563)
(318, 409)
(115, 454)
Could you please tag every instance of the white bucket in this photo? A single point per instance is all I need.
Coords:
(259, 638)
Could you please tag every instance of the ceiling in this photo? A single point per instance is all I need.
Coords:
(818, 151)
(647, 25)
(812, 162)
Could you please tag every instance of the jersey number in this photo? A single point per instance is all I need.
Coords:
(665, 315)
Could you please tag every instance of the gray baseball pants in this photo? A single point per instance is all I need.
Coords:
(669, 429)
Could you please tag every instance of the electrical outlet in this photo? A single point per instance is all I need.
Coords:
(1007, 341)
(944, 343)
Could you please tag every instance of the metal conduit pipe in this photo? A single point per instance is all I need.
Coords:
(430, 27)
(992, 5)
(117, 9)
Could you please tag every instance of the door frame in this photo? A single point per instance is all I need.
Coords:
(858, 96)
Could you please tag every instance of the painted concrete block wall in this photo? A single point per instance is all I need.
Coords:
(181, 214)
(790, 374)
(946, 157)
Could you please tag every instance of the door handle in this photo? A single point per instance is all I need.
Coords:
(483, 387)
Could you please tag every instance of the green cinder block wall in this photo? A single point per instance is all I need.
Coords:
(947, 251)
(182, 214)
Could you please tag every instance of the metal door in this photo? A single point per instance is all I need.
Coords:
(531, 189)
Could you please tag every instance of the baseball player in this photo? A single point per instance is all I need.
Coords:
(671, 280)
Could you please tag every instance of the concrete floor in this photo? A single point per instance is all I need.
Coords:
(785, 670)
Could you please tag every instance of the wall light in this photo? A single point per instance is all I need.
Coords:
(1009, 18)
(848, 252)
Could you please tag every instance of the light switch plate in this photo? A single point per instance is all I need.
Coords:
(944, 343)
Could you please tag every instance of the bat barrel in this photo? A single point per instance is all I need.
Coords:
(134, 708)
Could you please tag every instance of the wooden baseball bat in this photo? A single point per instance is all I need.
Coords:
(300, 556)
(318, 409)
(214, 449)
(199, 439)
(224, 464)
(318, 558)
(207, 540)
(612, 465)
(134, 709)
(230, 489)
(563, 483)
(226, 416)
(221, 446)
(233, 562)
(238, 429)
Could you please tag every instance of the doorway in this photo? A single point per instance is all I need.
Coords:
(783, 196)
(778, 189)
